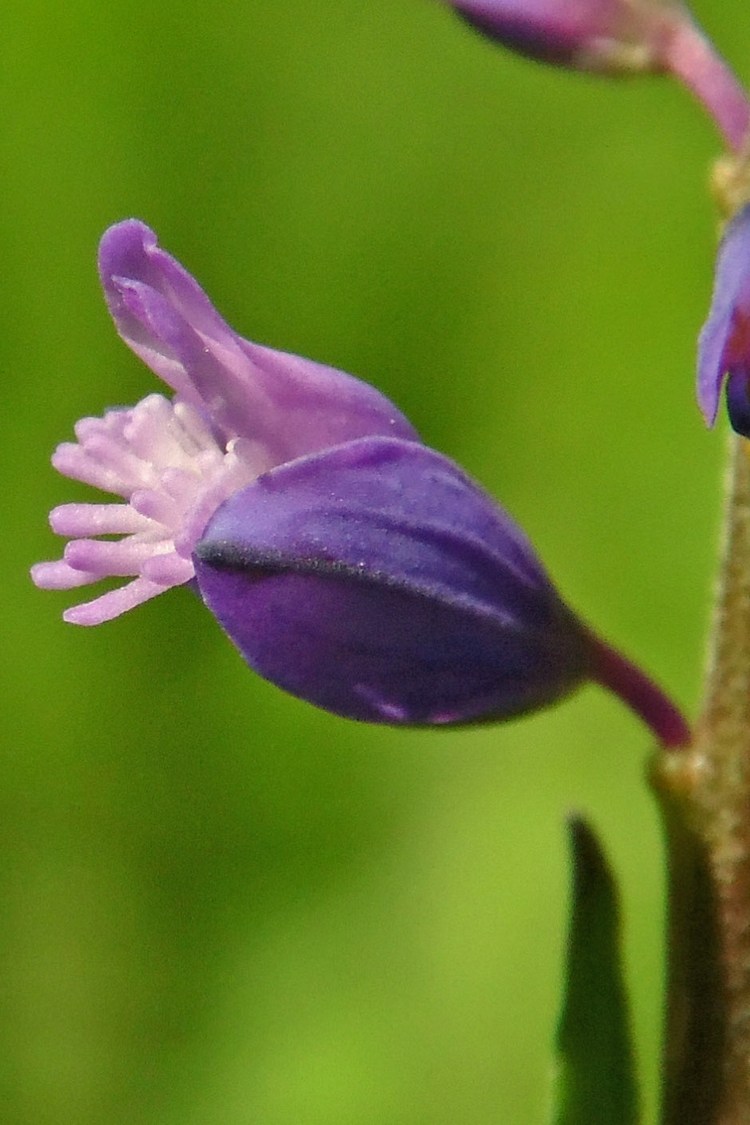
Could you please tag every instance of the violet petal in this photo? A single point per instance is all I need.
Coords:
(724, 343)
(291, 405)
(379, 582)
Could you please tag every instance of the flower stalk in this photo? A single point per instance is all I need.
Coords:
(691, 57)
(638, 692)
(704, 794)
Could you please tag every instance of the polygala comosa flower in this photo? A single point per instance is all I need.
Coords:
(350, 564)
(610, 36)
(724, 345)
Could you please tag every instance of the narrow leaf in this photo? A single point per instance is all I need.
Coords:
(595, 1074)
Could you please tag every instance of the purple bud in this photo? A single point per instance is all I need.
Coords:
(610, 36)
(378, 581)
(724, 345)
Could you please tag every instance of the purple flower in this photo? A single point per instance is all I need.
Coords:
(612, 36)
(724, 344)
(349, 563)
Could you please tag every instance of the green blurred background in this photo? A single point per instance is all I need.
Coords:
(219, 906)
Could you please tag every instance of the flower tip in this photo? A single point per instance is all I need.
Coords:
(125, 260)
(121, 240)
(708, 389)
(39, 575)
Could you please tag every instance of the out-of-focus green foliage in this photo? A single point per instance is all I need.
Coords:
(218, 905)
(595, 1079)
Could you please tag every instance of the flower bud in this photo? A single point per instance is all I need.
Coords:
(377, 581)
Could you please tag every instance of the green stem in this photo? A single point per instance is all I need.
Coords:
(705, 797)
(696, 1017)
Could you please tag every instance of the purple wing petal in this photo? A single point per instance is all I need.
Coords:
(724, 343)
(377, 581)
(291, 405)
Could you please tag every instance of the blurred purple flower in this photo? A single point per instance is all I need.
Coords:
(724, 344)
(619, 37)
(611, 36)
(350, 564)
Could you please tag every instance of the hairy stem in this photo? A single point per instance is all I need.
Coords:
(705, 799)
